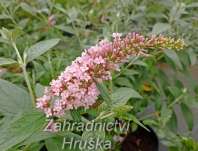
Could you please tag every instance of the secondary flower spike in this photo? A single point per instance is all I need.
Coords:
(75, 87)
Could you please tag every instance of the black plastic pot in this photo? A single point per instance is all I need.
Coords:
(141, 140)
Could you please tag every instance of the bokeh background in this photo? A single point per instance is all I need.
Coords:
(82, 23)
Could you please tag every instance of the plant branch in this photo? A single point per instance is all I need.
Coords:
(23, 66)
(27, 80)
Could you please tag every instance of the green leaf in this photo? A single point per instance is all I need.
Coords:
(122, 109)
(189, 144)
(40, 48)
(135, 120)
(122, 95)
(56, 144)
(173, 122)
(4, 16)
(43, 135)
(123, 81)
(10, 35)
(35, 147)
(192, 56)
(6, 34)
(6, 61)
(174, 58)
(39, 90)
(188, 115)
(2, 40)
(140, 63)
(60, 8)
(104, 92)
(13, 99)
(150, 122)
(20, 128)
(129, 72)
(130, 117)
(38, 136)
(67, 29)
(159, 28)
(28, 9)
(192, 5)
(165, 114)
(93, 135)
(75, 113)
(72, 14)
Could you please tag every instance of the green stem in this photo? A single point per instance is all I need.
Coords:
(176, 101)
(127, 66)
(23, 66)
(77, 34)
(28, 84)
(20, 60)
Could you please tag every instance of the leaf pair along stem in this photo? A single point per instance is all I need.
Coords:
(22, 63)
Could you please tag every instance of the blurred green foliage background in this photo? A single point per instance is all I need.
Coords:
(82, 23)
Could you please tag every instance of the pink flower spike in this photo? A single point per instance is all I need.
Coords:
(75, 87)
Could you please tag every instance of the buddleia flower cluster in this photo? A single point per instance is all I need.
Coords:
(76, 87)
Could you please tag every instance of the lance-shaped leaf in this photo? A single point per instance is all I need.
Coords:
(40, 48)
(20, 128)
(104, 92)
(172, 55)
(188, 115)
(159, 28)
(13, 99)
(6, 61)
(122, 95)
